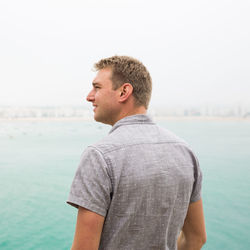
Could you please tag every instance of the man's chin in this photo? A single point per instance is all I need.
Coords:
(97, 118)
(101, 119)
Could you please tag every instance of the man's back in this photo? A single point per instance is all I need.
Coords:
(141, 178)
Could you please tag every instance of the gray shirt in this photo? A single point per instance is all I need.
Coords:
(141, 178)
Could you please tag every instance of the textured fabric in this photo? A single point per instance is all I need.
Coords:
(142, 178)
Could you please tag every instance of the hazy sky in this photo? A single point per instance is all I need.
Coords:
(198, 52)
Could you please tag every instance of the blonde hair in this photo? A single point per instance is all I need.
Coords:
(126, 69)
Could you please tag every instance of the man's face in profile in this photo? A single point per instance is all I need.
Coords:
(104, 99)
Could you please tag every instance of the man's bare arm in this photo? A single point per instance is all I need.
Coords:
(88, 230)
(193, 234)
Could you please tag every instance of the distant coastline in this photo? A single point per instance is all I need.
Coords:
(79, 113)
(156, 118)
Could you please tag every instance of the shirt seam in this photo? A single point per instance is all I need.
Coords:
(107, 163)
(135, 144)
(75, 201)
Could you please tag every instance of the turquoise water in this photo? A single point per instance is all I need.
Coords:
(38, 160)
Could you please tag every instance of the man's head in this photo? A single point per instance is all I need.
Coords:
(129, 70)
(121, 87)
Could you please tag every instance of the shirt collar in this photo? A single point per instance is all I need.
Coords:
(133, 119)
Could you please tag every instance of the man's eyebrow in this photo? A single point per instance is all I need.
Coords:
(95, 83)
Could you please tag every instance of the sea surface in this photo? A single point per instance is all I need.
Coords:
(38, 160)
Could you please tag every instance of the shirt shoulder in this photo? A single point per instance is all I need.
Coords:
(132, 134)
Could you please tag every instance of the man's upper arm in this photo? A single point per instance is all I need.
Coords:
(194, 224)
(90, 193)
(88, 230)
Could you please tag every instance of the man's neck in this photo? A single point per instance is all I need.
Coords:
(141, 110)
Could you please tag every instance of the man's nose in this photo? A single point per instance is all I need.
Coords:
(90, 96)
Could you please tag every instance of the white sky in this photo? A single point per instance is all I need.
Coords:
(198, 52)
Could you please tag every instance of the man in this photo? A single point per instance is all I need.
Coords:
(140, 187)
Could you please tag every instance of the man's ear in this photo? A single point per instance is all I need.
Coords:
(125, 91)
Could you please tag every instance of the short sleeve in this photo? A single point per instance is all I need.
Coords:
(196, 192)
(91, 186)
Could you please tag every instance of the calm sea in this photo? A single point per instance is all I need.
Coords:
(38, 160)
